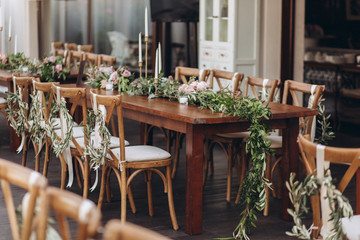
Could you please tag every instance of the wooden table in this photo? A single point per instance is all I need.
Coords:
(196, 123)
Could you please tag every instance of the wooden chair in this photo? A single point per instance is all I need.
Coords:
(222, 77)
(92, 59)
(57, 46)
(183, 74)
(107, 60)
(33, 183)
(75, 58)
(62, 53)
(85, 48)
(70, 46)
(117, 230)
(333, 155)
(146, 159)
(291, 90)
(67, 205)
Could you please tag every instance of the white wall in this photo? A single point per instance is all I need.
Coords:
(270, 39)
(299, 38)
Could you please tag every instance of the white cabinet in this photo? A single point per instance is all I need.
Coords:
(229, 35)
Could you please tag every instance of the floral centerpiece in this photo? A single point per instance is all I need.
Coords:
(101, 77)
(51, 69)
(16, 62)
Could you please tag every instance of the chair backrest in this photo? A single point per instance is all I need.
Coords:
(107, 60)
(267, 86)
(117, 230)
(85, 48)
(92, 59)
(24, 84)
(75, 58)
(219, 75)
(57, 46)
(112, 104)
(346, 156)
(181, 73)
(44, 88)
(29, 180)
(291, 88)
(70, 46)
(62, 53)
(67, 205)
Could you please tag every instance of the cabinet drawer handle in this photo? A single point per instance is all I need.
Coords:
(206, 53)
(225, 68)
(215, 16)
(222, 55)
(204, 65)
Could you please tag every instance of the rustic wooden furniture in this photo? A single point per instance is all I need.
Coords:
(117, 230)
(346, 156)
(146, 159)
(68, 205)
(56, 46)
(70, 46)
(85, 48)
(291, 89)
(183, 73)
(74, 60)
(92, 59)
(107, 60)
(33, 183)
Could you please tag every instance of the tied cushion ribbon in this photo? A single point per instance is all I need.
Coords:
(67, 151)
(310, 104)
(263, 93)
(321, 165)
(233, 81)
(84, 210)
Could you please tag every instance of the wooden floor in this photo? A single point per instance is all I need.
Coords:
(220, 218)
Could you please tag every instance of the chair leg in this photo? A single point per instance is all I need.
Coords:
(108, 189)
(229, 173)
(149, 192)
(86, 178)
(176, 154)
(171, 200)
(123, 190)
(243, 160)
(131, 199)
(24, 155)
(279, 180)
(47, 158)
(63, 171)
(267, 190)
(102, 187)
(76, 164)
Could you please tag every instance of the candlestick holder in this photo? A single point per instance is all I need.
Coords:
(9, 44)
(156, 81)
(146, 56)
(140, 66)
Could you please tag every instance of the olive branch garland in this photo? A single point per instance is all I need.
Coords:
(298, 194)
(59, 144)
(97, 154)
(35, 115)
(16, 112)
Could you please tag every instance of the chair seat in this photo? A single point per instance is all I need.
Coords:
(276, 141)
(234, 135)
(3, 100)
(141, 153)
(56, 123)
(114, 142)
(77, 132)
(350, 227)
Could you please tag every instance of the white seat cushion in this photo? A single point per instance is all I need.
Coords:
(276, 141)
(351, 227)
(235, 135)
(77, 132)
(3, 89)
(2, 100)
(114, 142)
(56, 121)
(141, 153)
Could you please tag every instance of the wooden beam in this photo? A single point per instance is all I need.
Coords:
(287, 40)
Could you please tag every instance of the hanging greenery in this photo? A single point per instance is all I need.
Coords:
(58, 144)
(299, 192)
(97, 154)
(37, 128)
(324, 132)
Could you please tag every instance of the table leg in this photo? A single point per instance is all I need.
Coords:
(194, 176)
(290, 162)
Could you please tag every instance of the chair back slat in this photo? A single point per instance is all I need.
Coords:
(234, 79)
(75, 58)
(272, 85)
(106, 60)
(92, 59)
(85, 48)
(183, 73)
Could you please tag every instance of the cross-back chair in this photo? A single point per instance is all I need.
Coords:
(222, 77)
(146, 159)
(183, 73)
(30, 181)
(332, 155)
(92, 59)
(56, 46)
(85, 48)
(67, 205)
(291, 89)
(117, 230)
(62, 53)
(70, 46)
(74, 60)
(106, 60)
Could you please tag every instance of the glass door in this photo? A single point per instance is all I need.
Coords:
(209, 20)
(224, 20)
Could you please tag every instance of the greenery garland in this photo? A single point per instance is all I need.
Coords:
(59, 145)
(97, 154)
(234, 104)
(324, 133)
(300, 191)
(38, 131)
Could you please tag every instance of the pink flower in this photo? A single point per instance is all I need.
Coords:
(113, 75)
(194, 84)
(52, 59)
(103, 84)
(58, 68)
(202, 86)
(126, 73)
(170, 78)
(136, 81)
(107, 70)
(190, 89)
(46, 60)
(115, 81)
(182, 88)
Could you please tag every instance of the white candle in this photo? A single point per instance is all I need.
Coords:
(157, 64)
(160, 64)
(1, 22)
(15, 46)
(146, 23)
(140, 48)
(10, 27)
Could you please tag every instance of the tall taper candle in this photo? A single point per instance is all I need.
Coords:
(157, 64)
(15, 46)
(10, 27)
(146, 23)
(160, 63)
(140, 48)
(1, 21)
